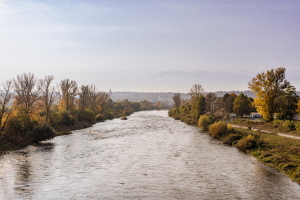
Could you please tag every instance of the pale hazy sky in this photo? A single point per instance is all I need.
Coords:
(150, 45)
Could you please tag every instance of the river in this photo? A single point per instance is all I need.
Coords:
(148, 156)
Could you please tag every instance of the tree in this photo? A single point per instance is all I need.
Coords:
(199, 106)
(195, 91)
(94, 98)
(48, 94)
(177, 100)
(68, 88)
(268, 86)
(83, 100)
(158, 105)
(210, 98)
(242, 105)
(286, 103)
(227, 102)
(6, 96)
(26, 90)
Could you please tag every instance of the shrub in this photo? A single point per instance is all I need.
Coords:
(256, 153)
(246, 143)
(204, 122)
(276, 123)
(183, 118)
(42, 132)
(64, 118)
(229, 127)
(127, 111)
(100, 118)
(20, 123)
(297, 175)
(288, 125)
(89, 115)
(124, 118)
(298, 127)
(229, 139)
(189, 120)
(110, 115)
(218, 129)
(176, 117)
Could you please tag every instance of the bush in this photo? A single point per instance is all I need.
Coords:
(256, 153)
(183, 118)
(297, 175)
(298, 127)
(218, 129)
(89, 115)
(276, 123)
(204, 122)
(229, 139)
(189, 121)
(20, 123)
(246, 143)
(124, 118)
(64, 118)
(100, 118)
(110, 115)
(229, 127)
(288, 125)
(43, 132)
(127, 111)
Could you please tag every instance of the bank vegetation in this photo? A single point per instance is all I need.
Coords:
(276, 101)
(33, 109)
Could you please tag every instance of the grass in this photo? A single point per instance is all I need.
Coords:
(273, 150)
(276, 126)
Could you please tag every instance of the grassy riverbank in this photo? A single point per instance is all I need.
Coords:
(270, 149)
(10, 143)
(273, 150)
(277, 126)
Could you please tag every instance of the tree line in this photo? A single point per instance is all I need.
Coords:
(35, 109)
(275, 98)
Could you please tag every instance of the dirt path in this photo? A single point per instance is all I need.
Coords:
(264, 131)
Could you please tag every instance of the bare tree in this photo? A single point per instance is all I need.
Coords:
(95, 98)
(26, 90)
(48, 94)
(195, 91)
(103, 98)
(68, 88)
(84, 94)
(6, 96)
(177, 100)
(210, 98)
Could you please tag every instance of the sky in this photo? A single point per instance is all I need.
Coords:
(150, 45)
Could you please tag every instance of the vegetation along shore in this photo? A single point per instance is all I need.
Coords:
(276, 101)
(33, 110)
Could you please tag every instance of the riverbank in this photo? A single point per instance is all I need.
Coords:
(271, 127)
(269, 148)
(280, 152)
(14, 143)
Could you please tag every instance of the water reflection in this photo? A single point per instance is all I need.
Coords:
(149, 156)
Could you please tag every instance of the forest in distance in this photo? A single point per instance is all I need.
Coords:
(32, 109)
(276, 101)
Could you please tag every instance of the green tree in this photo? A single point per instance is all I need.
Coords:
(242, 105)
(287, 103)
(199, 106)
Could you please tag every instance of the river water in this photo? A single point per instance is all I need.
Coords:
(148, 156)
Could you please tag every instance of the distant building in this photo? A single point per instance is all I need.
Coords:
(110, 93)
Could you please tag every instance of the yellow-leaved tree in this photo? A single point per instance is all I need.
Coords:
(273, 92)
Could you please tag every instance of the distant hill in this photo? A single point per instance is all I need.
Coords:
(166, 97)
